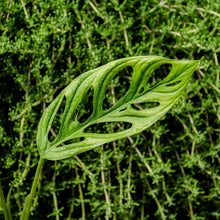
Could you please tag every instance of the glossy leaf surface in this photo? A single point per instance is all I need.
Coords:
(76, 136)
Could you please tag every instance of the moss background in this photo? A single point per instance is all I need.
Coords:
(170, 171)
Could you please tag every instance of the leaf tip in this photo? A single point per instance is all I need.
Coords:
(195, 63)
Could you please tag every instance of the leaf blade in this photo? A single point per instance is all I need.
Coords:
(164, 93)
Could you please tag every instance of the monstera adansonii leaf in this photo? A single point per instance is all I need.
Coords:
(165, 93)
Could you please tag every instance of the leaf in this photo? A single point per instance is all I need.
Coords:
(76, 136)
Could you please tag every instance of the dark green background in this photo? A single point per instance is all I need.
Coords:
(46, 44)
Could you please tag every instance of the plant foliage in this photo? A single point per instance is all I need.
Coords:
(165, 93)
(169, 171)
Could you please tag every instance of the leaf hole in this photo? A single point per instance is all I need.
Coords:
(173, 83)
(141, 90)
(159, 74)
(55, 127)
(108, 127)
(85, 108)
(74, 140)
(145, 105)
(123, 109)
(118, 87)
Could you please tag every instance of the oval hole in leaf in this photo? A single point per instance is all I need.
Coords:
(85, 108)
(118, 87)
(145, 105)
(173, 83)
(158, 75)
(123, 109)
(108, 127)
(54, 130)
(72, 141)
(141, 90)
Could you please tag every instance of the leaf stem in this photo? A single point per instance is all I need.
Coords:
(30, 197)
(6, 209)
(80, 194)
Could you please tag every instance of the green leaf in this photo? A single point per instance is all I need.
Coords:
(75, 136)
